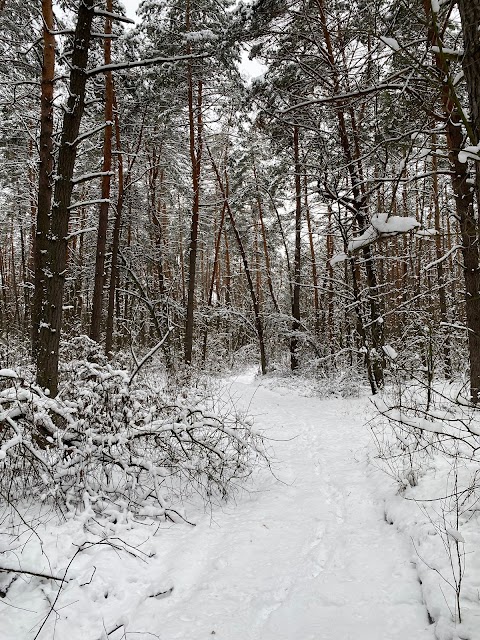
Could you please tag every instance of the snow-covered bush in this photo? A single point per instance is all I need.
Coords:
(109, 446)
(428, 442)
(345, 384)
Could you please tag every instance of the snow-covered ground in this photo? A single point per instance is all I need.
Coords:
(305, 554)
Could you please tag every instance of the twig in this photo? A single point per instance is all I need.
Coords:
(151, 353)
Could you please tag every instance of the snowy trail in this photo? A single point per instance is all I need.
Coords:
(312, 559)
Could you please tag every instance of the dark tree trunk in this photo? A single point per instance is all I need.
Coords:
(44, 198)
(123, 183)
(297, 255)
(214, 277)
(470, 16)
(316, 298)
(442, 295)
(97, 300)
(264, 238)
(195, 157)
(195, 148)
(51, 284)
(115, 241)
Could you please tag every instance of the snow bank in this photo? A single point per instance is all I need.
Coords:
(431, 496)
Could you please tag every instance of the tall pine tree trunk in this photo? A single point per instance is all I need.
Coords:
(53, 248)
(45, 178)
(470, 16)
(97, 300)
(246, 267)
(195, 130)
(294, 363)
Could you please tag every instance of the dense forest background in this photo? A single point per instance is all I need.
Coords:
(165, 222)
(321, 217)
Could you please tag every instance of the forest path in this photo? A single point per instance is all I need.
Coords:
(307, 557)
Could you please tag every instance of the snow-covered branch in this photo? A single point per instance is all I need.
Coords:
(91, 176)
(382, 226)
(120, 66)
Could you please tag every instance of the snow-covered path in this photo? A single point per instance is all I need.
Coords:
(309, 557)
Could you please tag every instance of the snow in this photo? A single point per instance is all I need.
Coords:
(382, 225)
(305, 554)
(339, 257)
(455, 534)
(430, 265)
(426, 233)
(8, 373)
(469, 152)
(390, 352)
(198, 36)
(390, 42)
(448, 52)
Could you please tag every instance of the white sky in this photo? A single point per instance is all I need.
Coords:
(130, 6)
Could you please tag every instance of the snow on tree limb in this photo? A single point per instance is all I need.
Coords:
(382, 226)
(443, 258)
(119, 66)
(113, 16)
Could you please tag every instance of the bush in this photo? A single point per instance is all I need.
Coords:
(107, 446)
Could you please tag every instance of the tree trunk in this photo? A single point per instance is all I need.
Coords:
(297, 255)
(44, 198)
(195, 156)
(470, 17)
(355, 170)
(251, 286)
(442, 296)
(264, 238)
(51, 252)
(195, 148)
(97, 299)
(115, 240)
(316, 297)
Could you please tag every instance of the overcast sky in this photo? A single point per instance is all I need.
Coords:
(130, 6)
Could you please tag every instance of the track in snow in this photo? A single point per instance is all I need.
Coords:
(307, 557)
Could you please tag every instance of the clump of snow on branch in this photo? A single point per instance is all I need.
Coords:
(469, 153)
(199, 36)
(382, 226)
(390, 42)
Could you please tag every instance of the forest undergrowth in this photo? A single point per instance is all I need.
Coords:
(123, 444)
(111, 451)
(427, 439)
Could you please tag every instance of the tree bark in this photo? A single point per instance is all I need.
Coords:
(115, 239)
(251, 286)
(264, 238)
(97, 299)
(294, 363)
(45, 169)
(316, 297)
(353, 160)
(51, 283)
(470, 17)
(195, 148)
